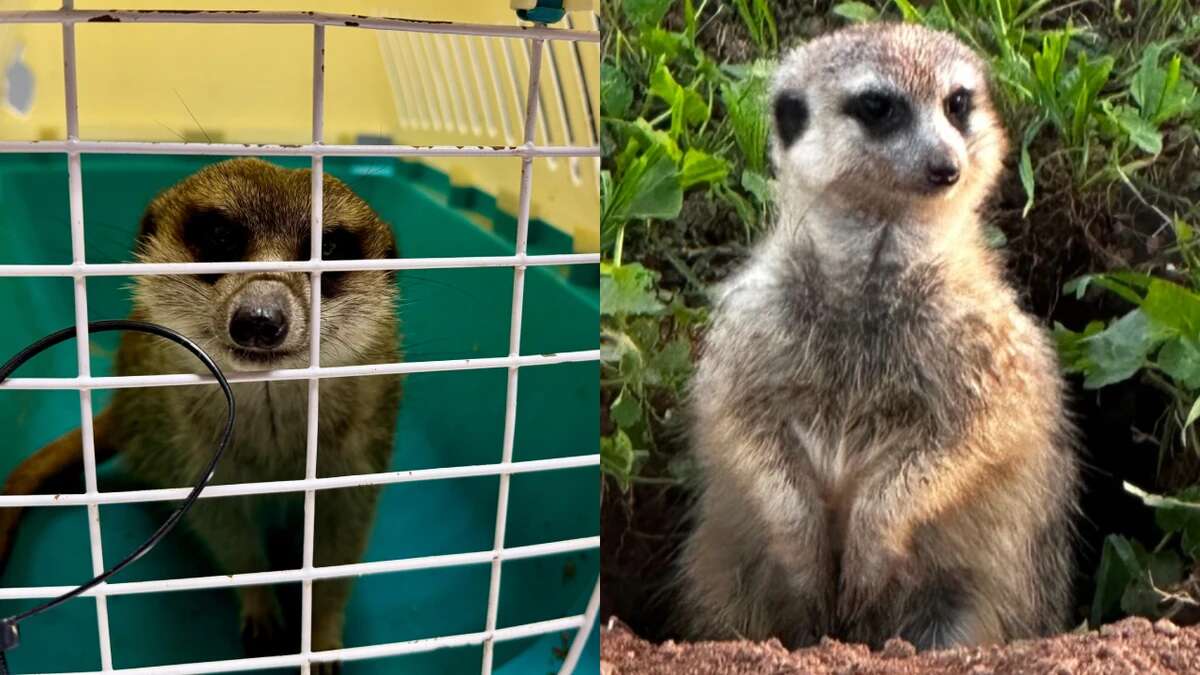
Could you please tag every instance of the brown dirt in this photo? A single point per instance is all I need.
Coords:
(1130, 646)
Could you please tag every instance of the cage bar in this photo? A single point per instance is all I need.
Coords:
(327, 572)
(138, 269)
(514, 347)
(281, 486)
(69, 15)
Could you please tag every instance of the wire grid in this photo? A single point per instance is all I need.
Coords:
(79, 270)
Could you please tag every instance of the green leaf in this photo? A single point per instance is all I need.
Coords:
(1149, 81)
(856, 11)
(1183, 520)
(629, 290)
(1193, 414)
(674, 363)
(1173, 307)
(1119, 351)
(687, 106)
(701, 167)
(757, 185)
(1180, 358)
(995, 237)
(645, 14)
(1112, 577)
(626, 411)
(910, 13)
(649, 188)
(1026, 165)
(616, 95)
(617, 457)
(660, 42)
(1141, 132)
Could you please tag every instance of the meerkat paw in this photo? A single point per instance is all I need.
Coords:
(327, 668)
(266, 635)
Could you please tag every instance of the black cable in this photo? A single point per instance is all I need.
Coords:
(9, 634)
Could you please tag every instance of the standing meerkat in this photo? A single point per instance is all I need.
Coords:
(248, 209)
(880, 432)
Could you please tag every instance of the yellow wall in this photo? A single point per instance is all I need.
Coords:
(252, 83)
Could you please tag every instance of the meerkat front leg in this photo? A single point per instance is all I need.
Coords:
(884, 577)
(228, 529)
(759, 563)
(343, 526)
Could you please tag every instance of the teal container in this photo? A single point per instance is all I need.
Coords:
(446, 419)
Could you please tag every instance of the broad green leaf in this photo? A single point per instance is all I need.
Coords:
(616, 95)
(995, 237)
(687, 106)
(757, 185)
(1185, 521)
(856, 11)
(626, 411)
(1180, 358)
(701, 167)
(674, 362)
(1112, 577)
(617, 457)
(1149, 81)
(665, 43)
(1143, 133)
(1119, 351)
(645, 14)
(1173, 307)
(629, 290)
(648, 188)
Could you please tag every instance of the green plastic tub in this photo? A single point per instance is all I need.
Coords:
(446, 419)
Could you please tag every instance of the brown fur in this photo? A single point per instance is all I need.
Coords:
(165, 435)
(880, 430)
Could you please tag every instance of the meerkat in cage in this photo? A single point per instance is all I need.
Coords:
(248, 209)
(880, 430)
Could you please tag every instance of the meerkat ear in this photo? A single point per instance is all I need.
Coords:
(791, 116)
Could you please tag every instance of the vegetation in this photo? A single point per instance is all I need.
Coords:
(1101, 102)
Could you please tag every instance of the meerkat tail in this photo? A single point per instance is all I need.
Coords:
(55, 459)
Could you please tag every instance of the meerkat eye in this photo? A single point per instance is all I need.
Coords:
(337, 243)
(878, 112)
(212, 236)
(791, 117)
(958, 108)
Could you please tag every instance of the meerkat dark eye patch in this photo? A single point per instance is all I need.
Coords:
(880, 113)
(791, 117)
(212, 236)
(959, 105)
(337, 243)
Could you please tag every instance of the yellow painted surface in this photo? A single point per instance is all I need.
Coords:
(252, 84)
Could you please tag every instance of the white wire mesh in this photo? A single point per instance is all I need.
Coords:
(417, 42)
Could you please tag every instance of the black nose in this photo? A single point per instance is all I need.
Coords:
(942, 173)
(259, 325)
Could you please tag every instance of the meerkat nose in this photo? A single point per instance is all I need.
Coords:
(942, 173)
(260, 324)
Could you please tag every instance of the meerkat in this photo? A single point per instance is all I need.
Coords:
(248, 209)
(879, 430)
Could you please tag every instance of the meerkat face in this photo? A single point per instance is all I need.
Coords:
(886, 116)
(248, 209)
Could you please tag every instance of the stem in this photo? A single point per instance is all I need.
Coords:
(619, 245)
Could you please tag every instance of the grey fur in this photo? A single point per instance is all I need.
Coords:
(879, 430)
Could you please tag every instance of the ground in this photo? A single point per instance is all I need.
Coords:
(1131, 646)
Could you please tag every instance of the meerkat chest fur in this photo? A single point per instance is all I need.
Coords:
(852, 361)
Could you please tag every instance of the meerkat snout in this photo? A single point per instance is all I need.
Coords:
(260, 315)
